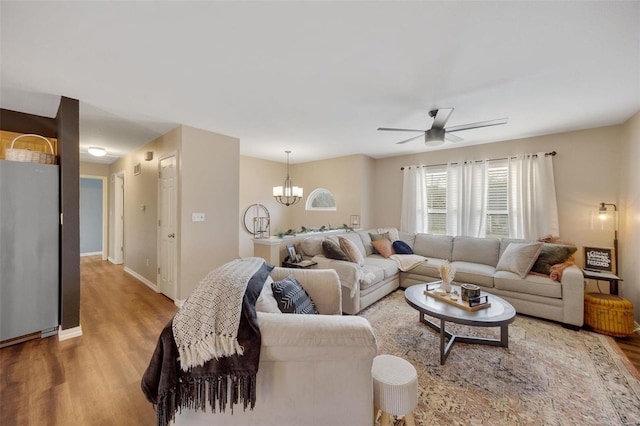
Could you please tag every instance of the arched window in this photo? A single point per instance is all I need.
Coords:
(321, 199)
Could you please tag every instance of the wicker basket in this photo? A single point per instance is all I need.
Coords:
(29, 156)
(608, 314)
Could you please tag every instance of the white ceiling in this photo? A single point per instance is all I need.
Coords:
(319, 78)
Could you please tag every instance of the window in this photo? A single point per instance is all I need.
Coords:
(497, 219)
(497, 201)
(321, 199)
(436, 200)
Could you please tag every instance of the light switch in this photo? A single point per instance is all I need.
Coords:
(197, 217)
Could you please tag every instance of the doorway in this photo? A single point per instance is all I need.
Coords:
(167, 228)
(93, 216)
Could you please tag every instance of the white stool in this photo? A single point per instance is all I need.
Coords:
(395, 388)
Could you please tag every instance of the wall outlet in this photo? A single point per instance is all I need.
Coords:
(147, 262)
(197, 217)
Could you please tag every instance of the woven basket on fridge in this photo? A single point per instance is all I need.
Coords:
(29, 156)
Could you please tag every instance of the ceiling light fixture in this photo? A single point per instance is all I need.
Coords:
(287, 194)
(97, 151)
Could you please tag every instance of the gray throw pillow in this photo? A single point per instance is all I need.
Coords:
(552, 254)
(332, 250)
(291, 297)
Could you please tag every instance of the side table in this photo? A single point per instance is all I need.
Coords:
(305, 264)
(612, 279)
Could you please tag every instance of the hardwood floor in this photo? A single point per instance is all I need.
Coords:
(631, 348)
(95, 379)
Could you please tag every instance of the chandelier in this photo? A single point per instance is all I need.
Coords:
(287, 194)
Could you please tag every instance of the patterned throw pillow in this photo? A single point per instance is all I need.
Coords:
(383, 247)
(401, 247)
(351, 250)
(291, 297)
(332, 250)
(552, 254)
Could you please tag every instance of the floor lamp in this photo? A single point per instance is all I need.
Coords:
(607, 221)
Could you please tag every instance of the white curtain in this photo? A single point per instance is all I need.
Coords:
(467, 199)
(414, 200)
(533, 209)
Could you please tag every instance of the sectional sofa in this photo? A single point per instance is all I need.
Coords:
(475, 260)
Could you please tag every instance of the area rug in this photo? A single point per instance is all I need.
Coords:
(548, 375)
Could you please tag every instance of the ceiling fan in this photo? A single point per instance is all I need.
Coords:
(438, 133)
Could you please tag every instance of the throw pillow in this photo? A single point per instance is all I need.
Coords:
(332, 250)
(351, 250)
(401, 247)
(394, 235)
(291, 297)
(519, 258)
(552, 254)
(376, 237)
(384, 247)
(266, 301)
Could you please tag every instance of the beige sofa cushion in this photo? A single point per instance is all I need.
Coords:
(476, 250)
(475, 273)
(388, 266)
(429, 268)
(533, 284)
(437, 246)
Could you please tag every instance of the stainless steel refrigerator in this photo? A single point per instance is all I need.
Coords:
(29, 234)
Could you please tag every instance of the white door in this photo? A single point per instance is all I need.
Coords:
(118, 246)
(167, 258)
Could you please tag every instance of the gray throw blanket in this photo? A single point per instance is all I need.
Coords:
(226, 380)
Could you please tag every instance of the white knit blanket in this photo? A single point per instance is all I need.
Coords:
(407, 261)
(206, 326)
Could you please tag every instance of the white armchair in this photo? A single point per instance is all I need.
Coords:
(314, 369)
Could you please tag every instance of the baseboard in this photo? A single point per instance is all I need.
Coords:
(69, 333)
(112, 260)
(142, 279)
(179, 302)
(94, 253)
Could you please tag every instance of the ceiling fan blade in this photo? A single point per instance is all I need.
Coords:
(441, 117)
(477, 125)
(410, 139)
(392, 129)
(453, 138)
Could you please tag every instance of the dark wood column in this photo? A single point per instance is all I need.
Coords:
(68, 129)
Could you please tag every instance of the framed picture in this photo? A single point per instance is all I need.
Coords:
(293, 256)
(598, 259)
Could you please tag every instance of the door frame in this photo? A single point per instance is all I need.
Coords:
(118, 212)
(176, 287)
(105, 212)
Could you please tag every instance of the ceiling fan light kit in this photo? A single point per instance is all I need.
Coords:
(437, 134)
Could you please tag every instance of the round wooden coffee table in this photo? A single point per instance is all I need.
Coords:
(499, 314)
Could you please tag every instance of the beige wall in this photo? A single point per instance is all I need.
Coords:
(630, 213)
(257, 179)
(586, 173)
(140, 226)
(348, 178)
(344, 177)
(209, 181)
(94, 169)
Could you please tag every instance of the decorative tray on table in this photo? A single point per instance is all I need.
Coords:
(472, 305)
